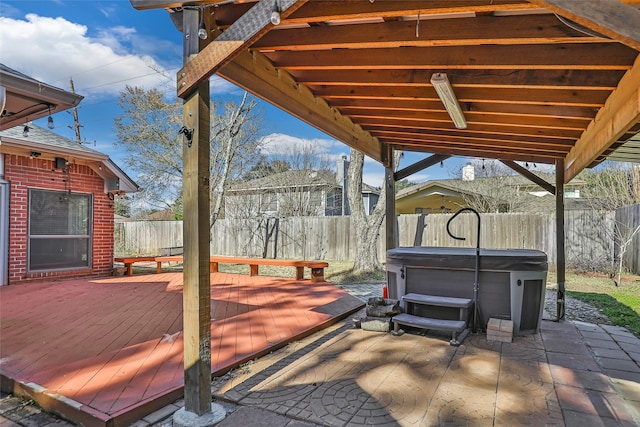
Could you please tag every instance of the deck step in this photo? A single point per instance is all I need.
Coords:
(438, 300)
(429, 323)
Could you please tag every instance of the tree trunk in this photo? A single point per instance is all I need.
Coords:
(367, 227)
(238, 117)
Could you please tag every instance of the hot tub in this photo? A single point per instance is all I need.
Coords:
(511, 282)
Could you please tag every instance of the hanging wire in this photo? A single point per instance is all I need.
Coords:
(580, 28)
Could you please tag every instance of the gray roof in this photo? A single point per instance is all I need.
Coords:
(294, 179)
(46, 138)
(460, 185)
(46, 141)
(288, 179)
(9, 70)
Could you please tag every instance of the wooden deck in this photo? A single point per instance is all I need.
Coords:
(108, 351)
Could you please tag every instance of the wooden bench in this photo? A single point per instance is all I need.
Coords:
(128, 262)
(213, 265)
(317, 267)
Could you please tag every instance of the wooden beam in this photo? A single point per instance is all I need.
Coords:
(158, 4)
(520, 79)
(620, 112)
(467, 152)
(481, 149)
(418, 166)
(196, 292)
(496, 141)
(246, 30)
(334, 10)
(170, 4)
(255, 73)
(391, 221)
(530, 176)
(559, 56)
(560, 240)
(472, 117)
(479, 30)
(502, 95)
(380, 124)
(611, 18)
(558, 111)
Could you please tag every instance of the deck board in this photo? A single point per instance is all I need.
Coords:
(115, 344)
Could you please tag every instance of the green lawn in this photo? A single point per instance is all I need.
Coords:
(620, 304)
(338, 272)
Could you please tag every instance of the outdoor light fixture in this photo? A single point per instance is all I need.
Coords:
(275, 13)
(50, 124)
(34, 154)
(202, 28)
(442, 86)
(25, 130)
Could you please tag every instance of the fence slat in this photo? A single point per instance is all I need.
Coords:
(589, 236)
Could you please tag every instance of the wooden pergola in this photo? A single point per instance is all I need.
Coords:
(539, 81)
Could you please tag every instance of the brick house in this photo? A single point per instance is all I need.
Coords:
(56, 197)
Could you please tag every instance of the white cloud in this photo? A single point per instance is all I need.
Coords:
(219, 85)
(282, 144)
(99, 66)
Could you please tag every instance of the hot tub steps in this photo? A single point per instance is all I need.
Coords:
(458, 328)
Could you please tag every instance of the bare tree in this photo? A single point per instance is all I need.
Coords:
(367, 227)
(236, 133)
(148, 131)
(612, 187)
(496, 188)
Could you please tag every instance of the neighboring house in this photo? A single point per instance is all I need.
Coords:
(295, 193)
(507, 194)
(56, 195)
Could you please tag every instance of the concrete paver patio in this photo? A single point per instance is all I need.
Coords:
(349, 377)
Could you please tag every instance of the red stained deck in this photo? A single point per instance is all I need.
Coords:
(109, 351)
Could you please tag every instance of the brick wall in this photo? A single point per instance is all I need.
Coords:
(24, 173)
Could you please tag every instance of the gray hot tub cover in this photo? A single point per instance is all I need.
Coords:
(464, 258)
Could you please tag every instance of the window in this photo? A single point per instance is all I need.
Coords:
(59, 230)
(334, 202)
(315, 199)
(268, 202)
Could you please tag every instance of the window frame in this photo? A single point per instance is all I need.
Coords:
(34, 237)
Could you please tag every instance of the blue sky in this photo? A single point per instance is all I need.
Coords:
(105, 45)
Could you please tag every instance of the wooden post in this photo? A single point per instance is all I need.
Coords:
(560, 255)
(391, 221)
(197, 293)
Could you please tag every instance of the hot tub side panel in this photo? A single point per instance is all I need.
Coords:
(494, 294)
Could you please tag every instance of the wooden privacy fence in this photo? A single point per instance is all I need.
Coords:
(629, 219)
(589, 236)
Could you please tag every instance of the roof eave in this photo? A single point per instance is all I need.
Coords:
(51, 99)
(28, 146)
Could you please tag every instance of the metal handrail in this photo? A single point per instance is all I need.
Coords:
(476, 284)
(464, 238)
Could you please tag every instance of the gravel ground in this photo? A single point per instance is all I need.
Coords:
(575, 309)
